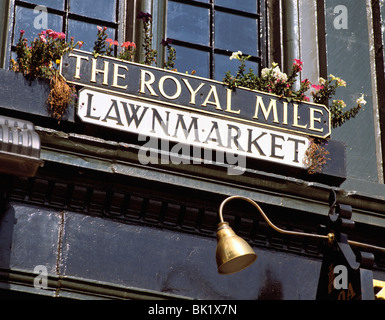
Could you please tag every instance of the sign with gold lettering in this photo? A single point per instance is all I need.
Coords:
(188, 128)
(194, 94)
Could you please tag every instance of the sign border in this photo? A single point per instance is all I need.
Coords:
(167, 103)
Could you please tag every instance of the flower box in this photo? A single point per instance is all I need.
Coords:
(19, 94)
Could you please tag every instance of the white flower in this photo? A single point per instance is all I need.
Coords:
(265, 72)
(236, 55)
(361, 101)
(279, 75)
(275, 71)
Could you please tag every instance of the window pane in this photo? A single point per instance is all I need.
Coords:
(242, 5)
(86, 32)
(54, 4)
(224, 64)
(99, 9)
(188, 59)
(233, 32)
(32, 23)
(188, 23)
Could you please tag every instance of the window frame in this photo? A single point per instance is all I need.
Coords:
(66, 15)
(260, 16)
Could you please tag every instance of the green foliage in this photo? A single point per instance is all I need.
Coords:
(273, 80)
(41, 59)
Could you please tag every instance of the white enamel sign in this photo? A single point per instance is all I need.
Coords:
(181, 126)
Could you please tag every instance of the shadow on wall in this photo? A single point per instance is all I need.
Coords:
(271, 288)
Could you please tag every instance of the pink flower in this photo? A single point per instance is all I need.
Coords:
(317, 88)
(99, 28)
(42, 38)
(80, 43)
(52, 34)
(22, 32)
(298, 64)
(61, 35)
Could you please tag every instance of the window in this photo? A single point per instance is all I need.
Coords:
(206, 32)
(76, 18)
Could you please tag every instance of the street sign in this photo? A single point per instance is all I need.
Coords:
(191, 128)
(195, 94)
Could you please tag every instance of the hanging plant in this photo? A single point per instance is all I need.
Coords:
(41, 60)
(61, 95)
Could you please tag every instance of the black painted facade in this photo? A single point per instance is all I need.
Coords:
(105, 226)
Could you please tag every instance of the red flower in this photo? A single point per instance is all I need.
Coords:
(22, 32)
(298, 64)
(112, 42)
(128, 45)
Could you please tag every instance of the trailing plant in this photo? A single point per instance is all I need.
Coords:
(171, 54)
(325, 90)
(316, 155)
(273, 80)
(149, 53)
(60, 96)
(41, 59)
